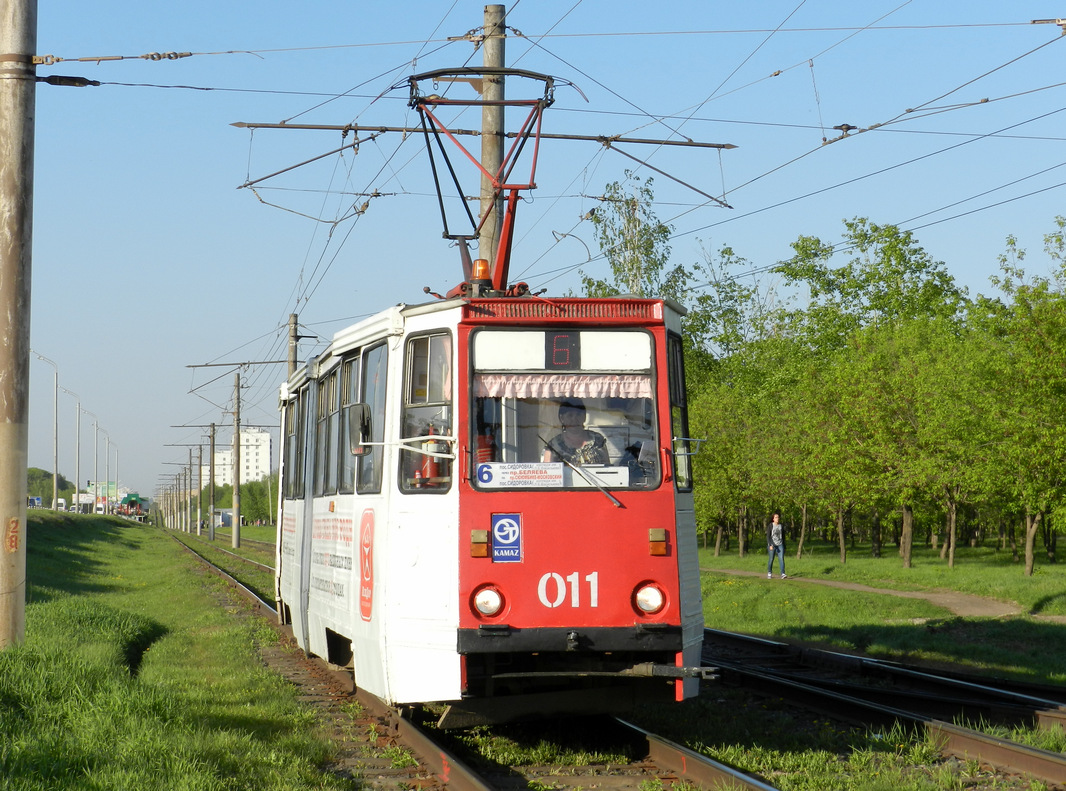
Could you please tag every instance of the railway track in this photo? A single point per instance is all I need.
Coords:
(220, 535)
(863, 691)
(329, 690)
(867, 691)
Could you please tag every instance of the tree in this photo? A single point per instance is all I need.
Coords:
(1027, 334)
(849, 324)
(890, 280)
(39, 484)
(635, 243)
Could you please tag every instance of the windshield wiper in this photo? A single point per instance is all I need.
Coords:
(588, 476)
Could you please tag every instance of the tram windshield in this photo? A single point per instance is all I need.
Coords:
(564, 409)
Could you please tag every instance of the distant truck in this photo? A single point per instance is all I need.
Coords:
(61, 504)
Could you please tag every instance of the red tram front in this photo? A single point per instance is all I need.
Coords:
(577, 560)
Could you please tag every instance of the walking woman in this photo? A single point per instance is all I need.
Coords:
(775, 545)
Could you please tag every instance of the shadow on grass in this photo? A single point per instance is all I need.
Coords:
(821, 551)
(63, 552)
(1045, 602)
(1013, 647)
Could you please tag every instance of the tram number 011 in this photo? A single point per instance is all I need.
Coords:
(553, 589)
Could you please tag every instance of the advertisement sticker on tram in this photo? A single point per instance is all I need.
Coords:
(366, 565)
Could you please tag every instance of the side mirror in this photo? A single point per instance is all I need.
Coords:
(358, 416)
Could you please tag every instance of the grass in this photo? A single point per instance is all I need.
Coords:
(798, 752)
(981, 571)
(259, 580)
(562, 742)
(887, 626)
(811, 754)
(132, 677)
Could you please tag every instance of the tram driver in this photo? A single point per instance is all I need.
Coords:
(575, 443)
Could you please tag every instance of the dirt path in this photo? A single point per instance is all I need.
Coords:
(962, 604)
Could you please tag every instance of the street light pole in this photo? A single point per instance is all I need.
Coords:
(107, 473)
(118, 492)
(96, 469)
(77, 441)
(96, 432)
(55, 431)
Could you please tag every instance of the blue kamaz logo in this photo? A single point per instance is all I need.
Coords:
(507, 538)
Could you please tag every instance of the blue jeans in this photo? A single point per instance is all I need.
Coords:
(780, 552)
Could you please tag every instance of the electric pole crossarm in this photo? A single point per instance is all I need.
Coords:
(238, 365)
(477, 133)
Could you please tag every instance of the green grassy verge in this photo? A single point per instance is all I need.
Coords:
(795, 752)
(981, 571)
(250, 532)
(892, 627)
(257, 579)
(132, 677)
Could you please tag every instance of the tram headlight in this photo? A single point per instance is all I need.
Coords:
(488, 601)
(649, 599)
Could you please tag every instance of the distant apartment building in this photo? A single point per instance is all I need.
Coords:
(255, 459)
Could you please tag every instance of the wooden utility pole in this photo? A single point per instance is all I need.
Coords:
(492, 131)
(18, 43)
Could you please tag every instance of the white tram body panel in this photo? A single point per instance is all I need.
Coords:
(448, 555)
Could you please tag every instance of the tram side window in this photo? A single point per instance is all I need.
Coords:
(327, 437)
(679, 413)
(349, 395)
(427, 414)
(372, 393)
(294, 447)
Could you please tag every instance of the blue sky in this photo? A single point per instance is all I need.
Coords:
(148, 258)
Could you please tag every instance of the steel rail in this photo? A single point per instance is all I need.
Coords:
(1046, 713)
(443, 763)
(222, 533)
(950, 739)
(453, 772)
(241, 558)
(693, 766)
(243, 589)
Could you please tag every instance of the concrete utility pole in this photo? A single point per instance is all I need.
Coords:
(194, 522)
(236, 542)
(294, 336)
(492, 130)
(18, 43)
(211, 496)
(199, 488)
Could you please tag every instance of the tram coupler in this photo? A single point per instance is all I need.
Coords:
(653, 670)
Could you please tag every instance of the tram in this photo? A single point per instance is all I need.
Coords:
(486, 502)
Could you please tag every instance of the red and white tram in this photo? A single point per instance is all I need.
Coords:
(446, 559)
(444, 534)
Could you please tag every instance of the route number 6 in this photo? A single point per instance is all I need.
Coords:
(553, 588)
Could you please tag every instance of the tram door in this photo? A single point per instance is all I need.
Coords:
(420, 564)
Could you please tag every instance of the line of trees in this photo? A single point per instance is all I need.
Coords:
(39, 484)
(259, 499)
(866, 387)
